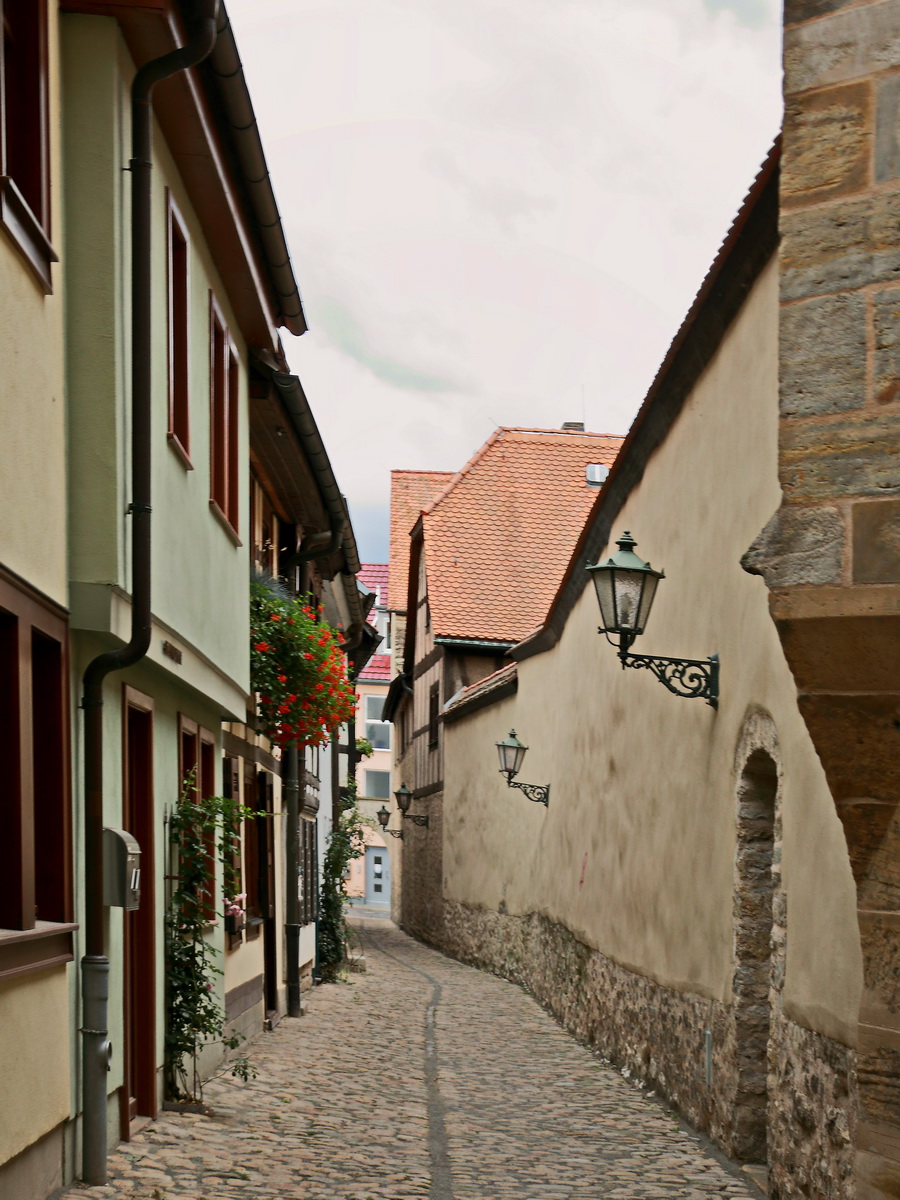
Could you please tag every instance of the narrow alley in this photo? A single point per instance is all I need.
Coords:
(420, 1077)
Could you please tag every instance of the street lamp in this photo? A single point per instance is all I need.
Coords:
(403, 796)
(512, 753)
(383, 817)
(625, 587)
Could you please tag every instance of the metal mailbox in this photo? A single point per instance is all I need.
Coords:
(121, 870)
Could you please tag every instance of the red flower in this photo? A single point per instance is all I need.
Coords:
(262, 647)
(283, 708)
(281, 678)
(274, 617)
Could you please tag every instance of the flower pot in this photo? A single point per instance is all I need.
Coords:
(233, 924)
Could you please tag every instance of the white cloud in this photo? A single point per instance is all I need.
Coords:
(498, 207)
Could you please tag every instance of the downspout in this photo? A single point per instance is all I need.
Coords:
(96, 1048)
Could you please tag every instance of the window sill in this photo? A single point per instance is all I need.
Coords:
(175, 445)
(23, 951)
(225, 523)
(26, 233)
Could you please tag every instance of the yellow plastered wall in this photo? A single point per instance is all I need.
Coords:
(635, 853)
(34, 1050)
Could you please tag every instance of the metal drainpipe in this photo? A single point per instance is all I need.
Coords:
(96, 1048)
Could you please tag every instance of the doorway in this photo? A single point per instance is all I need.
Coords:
(138, 1095)
(753, 922)
(378, 875)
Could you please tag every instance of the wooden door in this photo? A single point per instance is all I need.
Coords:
(139, 1095)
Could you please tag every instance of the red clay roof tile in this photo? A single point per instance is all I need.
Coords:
(410, 492)
(499, 535)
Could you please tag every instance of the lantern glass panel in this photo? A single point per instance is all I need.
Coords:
(383, 817)
(628, 588)
(650, 582)
(603, 582)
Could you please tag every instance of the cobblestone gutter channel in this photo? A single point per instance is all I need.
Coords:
(441, 1177)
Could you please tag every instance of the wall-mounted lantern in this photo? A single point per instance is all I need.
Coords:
(403, 796)
(625, 587)
(383, 817)
(512, 753)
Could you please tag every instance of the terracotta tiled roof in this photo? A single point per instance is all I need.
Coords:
(374, 576)
(499, 535)
(410, 492)
(377, 669)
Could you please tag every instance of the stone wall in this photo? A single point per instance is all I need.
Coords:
(660, 1036)
(422, 908)
(831, 556)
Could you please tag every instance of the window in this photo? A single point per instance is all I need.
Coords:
(309, 883)
(197, 770)
(24, 140)
(177, 246)
(231, 787)
(377, 785)
(434, 709)
(34, 745)
(378, 731)
(224, 394)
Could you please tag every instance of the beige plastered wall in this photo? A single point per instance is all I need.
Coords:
(635, 853)
(32, 393)
(34, 1017)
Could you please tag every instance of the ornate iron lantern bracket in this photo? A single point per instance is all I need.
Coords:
(690, 678)
(534, 791)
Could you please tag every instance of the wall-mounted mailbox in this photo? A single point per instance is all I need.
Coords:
(121, 870)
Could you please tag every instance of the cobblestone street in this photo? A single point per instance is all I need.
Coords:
(420, 1078)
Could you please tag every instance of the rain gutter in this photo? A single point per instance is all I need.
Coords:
(225, 65)
(96, 1047)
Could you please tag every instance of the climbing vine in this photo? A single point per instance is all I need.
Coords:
(202, 830)
(347, 841)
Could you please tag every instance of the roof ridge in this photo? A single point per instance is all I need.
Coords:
(479, 454)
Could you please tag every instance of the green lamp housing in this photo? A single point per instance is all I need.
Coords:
(512, 754)
(403, 796)
(626, 586)
(383, 817)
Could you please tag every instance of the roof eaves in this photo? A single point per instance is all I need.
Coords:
(485, 692)
(224, 65)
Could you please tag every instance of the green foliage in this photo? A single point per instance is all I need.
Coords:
(296, 668)
(201, 830)
(347, 842)
(364, 748)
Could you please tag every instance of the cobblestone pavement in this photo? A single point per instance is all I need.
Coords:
(420, 1078)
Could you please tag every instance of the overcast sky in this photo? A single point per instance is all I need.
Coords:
(499, 210)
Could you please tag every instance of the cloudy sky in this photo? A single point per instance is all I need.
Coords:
(499, 210)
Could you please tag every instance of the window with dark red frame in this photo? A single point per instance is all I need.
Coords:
(197, 770)
(178, 309)
(224, 400)
(24, 135)
(34, 750)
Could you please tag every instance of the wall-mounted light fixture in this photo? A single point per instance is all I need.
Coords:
(512, 753)
(625, 587)
(383, 817)
(403, 796)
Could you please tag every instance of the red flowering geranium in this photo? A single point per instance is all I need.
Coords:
(292, 659)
